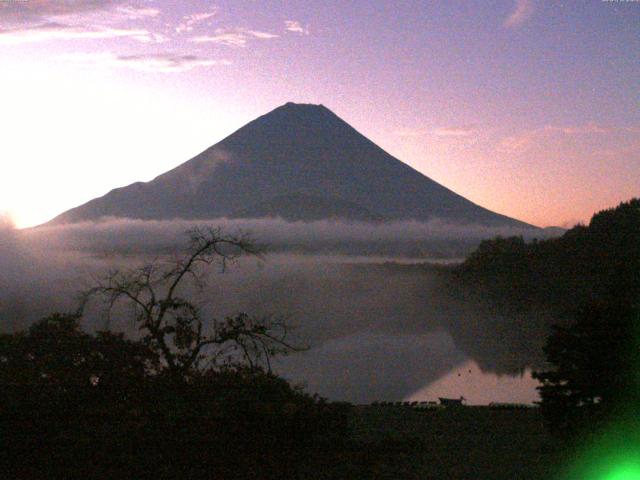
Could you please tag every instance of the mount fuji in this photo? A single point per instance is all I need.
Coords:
(300, 162)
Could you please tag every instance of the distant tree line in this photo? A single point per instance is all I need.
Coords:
(590, 280)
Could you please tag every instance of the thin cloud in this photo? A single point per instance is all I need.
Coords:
(151, 37)
(295, 27)
(42, 20)
(155, 63)
(262, 35)
(190, 21)
(462, 131)
(452, 131)
(237, 37)
(525, 140)
(522, 11)
(410, 132)
(579, 130)
(137, 13)
(58, 31)
(37, 10)
(516, 143)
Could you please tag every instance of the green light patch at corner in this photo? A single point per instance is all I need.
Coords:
(625, 471)
(614, 464)
(615, 455)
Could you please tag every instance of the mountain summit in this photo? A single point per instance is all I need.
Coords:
(298, 162)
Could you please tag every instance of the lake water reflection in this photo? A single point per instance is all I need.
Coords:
(480, 388)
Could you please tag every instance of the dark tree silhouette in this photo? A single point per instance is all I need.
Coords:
(173, 326)
(75, 405)
(55, 356)
(595, 368)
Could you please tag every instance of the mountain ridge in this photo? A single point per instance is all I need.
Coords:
(294, 149)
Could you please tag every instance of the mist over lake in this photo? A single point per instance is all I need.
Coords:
(377, 328)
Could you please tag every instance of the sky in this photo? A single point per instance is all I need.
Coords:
(528, 108)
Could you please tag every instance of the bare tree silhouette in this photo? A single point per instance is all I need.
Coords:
(174, 325)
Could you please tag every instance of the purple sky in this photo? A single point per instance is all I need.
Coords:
(528, 108)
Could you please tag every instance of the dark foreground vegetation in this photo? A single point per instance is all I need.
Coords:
(233, 423)
(454, 443)
(76, 405)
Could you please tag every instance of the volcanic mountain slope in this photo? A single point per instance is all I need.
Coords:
(304, 207)
(299, 162)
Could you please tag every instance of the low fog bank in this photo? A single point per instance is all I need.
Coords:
(29, 280)
(435, 238)
(376, 331)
